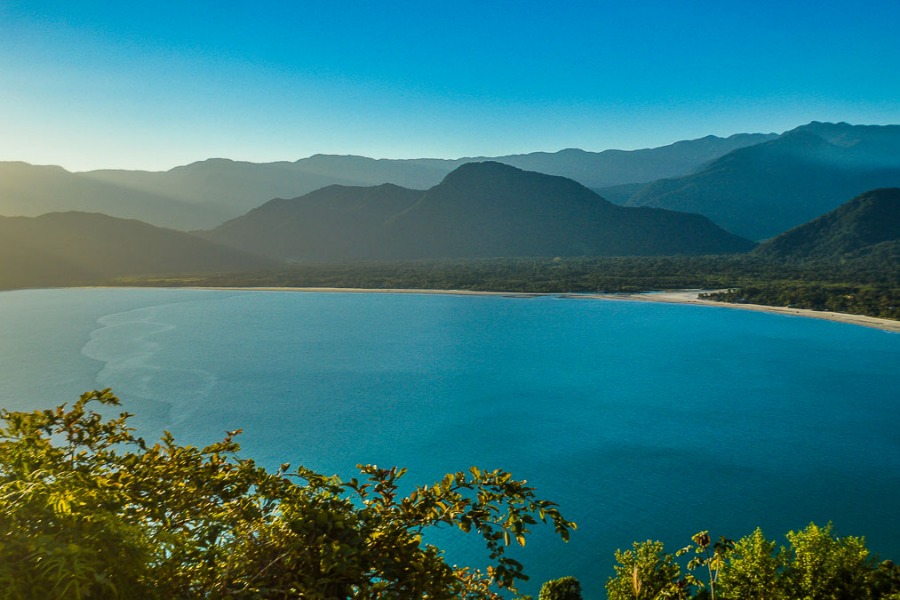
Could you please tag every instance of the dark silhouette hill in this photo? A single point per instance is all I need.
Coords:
(333, 223)
(87, 248)
(763, 190)
(867, 224)
(479, 210)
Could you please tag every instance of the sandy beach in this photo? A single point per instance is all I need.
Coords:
(671, 297)
(691, 297)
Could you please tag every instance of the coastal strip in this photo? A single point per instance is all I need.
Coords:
(671, 297)
(692, 297)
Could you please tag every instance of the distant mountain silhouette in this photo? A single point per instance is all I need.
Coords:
(86, 248)
(238, 187)
(763, 190)
(483, 209)
(28, 190)
(866, 224)
(616, 167)
(219, 189)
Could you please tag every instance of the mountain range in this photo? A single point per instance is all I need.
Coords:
(763, 190)
(352, 208)
(481, 209)
(485, 209)
(203, 195)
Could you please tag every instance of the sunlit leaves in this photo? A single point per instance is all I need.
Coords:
(88, 510)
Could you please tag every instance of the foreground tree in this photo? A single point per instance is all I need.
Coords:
(825, 567)
(89, 510)
(709, 555)
(646, 572)
(564, 588)
(816, 565)
(753, 570)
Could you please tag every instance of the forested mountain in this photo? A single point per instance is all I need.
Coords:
(479, 210)
(867, 224)
(333, 223)
(204, 194)
(240, 186)
(754, 185)
(86, 248)
(763, 190)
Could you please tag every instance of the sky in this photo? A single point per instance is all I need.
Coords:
(151, 85)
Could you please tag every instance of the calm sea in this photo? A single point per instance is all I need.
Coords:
(641, 420)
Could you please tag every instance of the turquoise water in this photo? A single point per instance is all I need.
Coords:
(642, 420)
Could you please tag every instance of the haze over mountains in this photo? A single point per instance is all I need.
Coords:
(867, 225)
(86, 248)
(480, 210)
(760, 191)
(203, 195)
(483, 209)
(353, 208)
(29, 190)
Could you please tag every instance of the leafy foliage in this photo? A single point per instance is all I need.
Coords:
(646, 572)
(824, 567)
(88, 510)
(816, 565)
(564, 588)
(753, 570)
(713, 560)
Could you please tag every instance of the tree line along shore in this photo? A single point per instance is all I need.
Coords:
(868, 286)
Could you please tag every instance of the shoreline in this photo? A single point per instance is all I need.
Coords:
(689, 297)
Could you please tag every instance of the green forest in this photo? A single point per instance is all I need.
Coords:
(89, 510)
(868, 285)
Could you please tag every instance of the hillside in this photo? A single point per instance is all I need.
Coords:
(218, 189)
(235, 183)
(479, 210)
(763, 190)
(28, 191)
(84, 248)
(866, 225)
(333, 223)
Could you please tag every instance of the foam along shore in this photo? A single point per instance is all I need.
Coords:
(672, 297)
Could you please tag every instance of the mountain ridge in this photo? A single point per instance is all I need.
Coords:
(485, 209)
(204, 194)
(858, 227)
(762, 190)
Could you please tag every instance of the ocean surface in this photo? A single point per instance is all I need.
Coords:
(642, 420)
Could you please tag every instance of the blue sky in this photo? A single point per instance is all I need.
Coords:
(95, 84)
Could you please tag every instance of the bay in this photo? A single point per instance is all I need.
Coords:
(642, 420)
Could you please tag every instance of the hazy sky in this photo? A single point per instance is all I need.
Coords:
(151, 85)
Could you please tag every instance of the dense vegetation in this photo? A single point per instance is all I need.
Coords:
(815, 565)
(873, 300)
(89, 510)
(868, 285)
